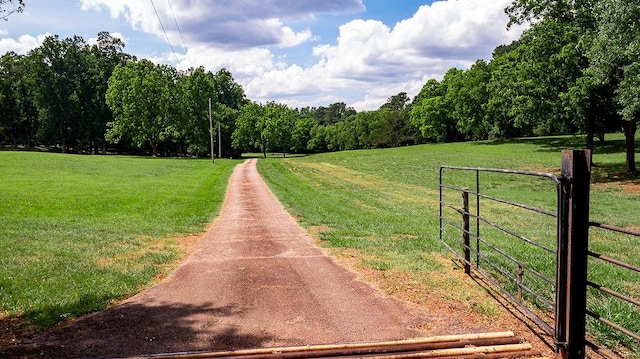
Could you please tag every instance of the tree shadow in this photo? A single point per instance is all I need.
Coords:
(273, 155)
(134, 328)
(557, 144)
(546, 144)
(602, 173)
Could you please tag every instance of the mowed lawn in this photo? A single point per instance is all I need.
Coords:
(379, 209)
(80, 232)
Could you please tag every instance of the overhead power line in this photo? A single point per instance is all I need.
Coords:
(165, 34)
(180, 32)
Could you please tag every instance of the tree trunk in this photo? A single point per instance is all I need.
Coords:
(630, 137)
(63, 140)
(154, 146)
(591, 133)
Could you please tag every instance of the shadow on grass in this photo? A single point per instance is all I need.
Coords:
(546, 144)
(557, 144)
(272, 155)
(602, 173)
(132, 329)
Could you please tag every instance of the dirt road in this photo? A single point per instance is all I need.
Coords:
(255, 280)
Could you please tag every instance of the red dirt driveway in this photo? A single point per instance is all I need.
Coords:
(255, 280)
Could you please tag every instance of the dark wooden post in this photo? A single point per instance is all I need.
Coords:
(465, 231)
(573, 234)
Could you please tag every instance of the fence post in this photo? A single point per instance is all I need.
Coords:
(573, 233)
(465, 231)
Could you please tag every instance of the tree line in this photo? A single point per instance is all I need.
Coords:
(69, 96)
(576, 70)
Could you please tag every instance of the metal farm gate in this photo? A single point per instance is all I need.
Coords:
(538, 254)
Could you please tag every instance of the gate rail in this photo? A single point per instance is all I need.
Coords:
(607, 291)
(481, 241)
(571, 253)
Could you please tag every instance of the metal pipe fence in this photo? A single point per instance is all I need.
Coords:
(617, 294)
(548, 280)
(502, 269)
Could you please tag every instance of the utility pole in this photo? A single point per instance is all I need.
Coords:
(211, 131)
(219, 142)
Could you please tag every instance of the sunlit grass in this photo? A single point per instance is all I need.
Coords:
(79, 232)
(383, 204)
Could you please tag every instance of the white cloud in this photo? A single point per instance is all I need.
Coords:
(233, 24)
(22, 45)
(367, 63)
(383, 61)
(243, 64)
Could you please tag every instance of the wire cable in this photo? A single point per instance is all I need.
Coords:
(180, 32)
(165, 34)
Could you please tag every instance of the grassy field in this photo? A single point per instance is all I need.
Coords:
(80, 232)
(381, 207)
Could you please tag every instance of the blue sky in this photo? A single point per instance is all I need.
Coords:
(298, 52)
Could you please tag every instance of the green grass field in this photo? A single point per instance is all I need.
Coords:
(381, 206)
(80, 232)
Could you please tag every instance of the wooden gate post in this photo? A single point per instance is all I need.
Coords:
(573, 234)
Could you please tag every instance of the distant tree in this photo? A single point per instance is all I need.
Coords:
(196, 88)
(468, 95)
(61, 79)
(318, 140)
(302, 133)
(249, 133)
(336, 112)
(230, 99)
(397, 102)
(103, 57)
(140, 96)
(431, 111)
(394, 117)
(18, 122)
(279, 127)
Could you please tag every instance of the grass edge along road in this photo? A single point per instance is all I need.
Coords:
(378, 210)
(81, 232)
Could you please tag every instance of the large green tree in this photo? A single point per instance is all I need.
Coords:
(280, 124)
(18, 122)
(615, 57)
(302, 132)
(431, 111)
(141, 96)
(61, 82)
(468, 95)
(249, 133)
(102, 58)
(196, 88)
(230, 99)
(578, 12)
(527, 84)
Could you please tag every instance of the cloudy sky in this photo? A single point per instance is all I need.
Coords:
(298, 52)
